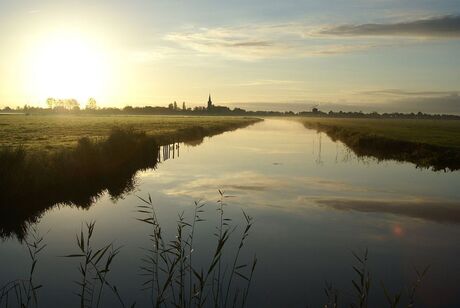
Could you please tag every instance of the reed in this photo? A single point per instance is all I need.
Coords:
(93, 268)
(173, 280)
(24, 292)
(362, 287)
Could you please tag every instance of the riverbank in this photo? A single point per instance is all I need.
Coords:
(56, 132)
(426, 143)
(35, 177)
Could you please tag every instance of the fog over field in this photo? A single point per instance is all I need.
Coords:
(413, 102)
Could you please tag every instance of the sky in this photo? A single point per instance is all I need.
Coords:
(338, 54)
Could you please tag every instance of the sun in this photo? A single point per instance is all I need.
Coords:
(67, 66)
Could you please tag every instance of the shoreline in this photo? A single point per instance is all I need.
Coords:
(368, 143)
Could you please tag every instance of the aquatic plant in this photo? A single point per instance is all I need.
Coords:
(172, 277)
(24, 292)
(362, 287)
(94, 267)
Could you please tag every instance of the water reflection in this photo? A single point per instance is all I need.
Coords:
(170, 151)
(17, 214)
(308, 216)
(437, 211)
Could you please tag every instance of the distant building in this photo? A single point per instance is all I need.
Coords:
(210, 105)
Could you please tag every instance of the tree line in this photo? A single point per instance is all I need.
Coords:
(72, 106)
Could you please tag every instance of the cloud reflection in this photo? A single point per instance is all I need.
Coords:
(431, 210)
(244, 182)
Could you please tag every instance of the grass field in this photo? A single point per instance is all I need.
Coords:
(444, 133)
(52, 132)
(426, 143)
(47, 160)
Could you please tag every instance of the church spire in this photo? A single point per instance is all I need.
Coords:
(209, 102)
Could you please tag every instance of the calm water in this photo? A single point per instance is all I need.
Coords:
(313, 202)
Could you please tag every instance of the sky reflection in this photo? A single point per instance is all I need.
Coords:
(311, 210)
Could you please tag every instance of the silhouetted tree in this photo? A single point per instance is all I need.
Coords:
(91, 104)
(71, 104)
(50, 102)
(128, 109)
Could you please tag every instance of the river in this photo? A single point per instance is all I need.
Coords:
(313, 203)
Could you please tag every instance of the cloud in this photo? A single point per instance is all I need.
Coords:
(299, 39)
(432, 210)
(254, 42)
(406, 93)
(434, 27)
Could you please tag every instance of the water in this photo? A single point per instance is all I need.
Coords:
(313, 203)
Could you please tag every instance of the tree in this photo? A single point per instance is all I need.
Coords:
(51, 102)
(171, 106)
(183, 106)
(175, 105)
(71, 104)
(91, 104)
(128, 109)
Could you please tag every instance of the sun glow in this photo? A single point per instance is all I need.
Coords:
(67, 66)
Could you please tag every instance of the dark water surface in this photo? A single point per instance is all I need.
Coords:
(313, 201)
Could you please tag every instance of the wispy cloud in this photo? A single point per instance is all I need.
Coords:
(260, 41)
(434, 27)
(406, 93)
(299, 39)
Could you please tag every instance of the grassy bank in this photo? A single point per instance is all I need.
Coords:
(52, 132)
(34, 177)
(426, 143)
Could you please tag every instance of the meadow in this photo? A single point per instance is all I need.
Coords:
(45, 160)
(52, 132)
(434, 132)
(427, 143)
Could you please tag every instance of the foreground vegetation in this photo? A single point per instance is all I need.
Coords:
(171, 275)
(54, 132)
(170, 270)
(427, 143)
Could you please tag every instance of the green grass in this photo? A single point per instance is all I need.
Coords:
(46, 160)
(445, 133)
(52, 132)
(427, 143)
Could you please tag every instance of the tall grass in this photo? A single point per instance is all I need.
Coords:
(33, 182)
(362, 288)
(94, 267)
(172, 278)
(24, 292)
(34, 179)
